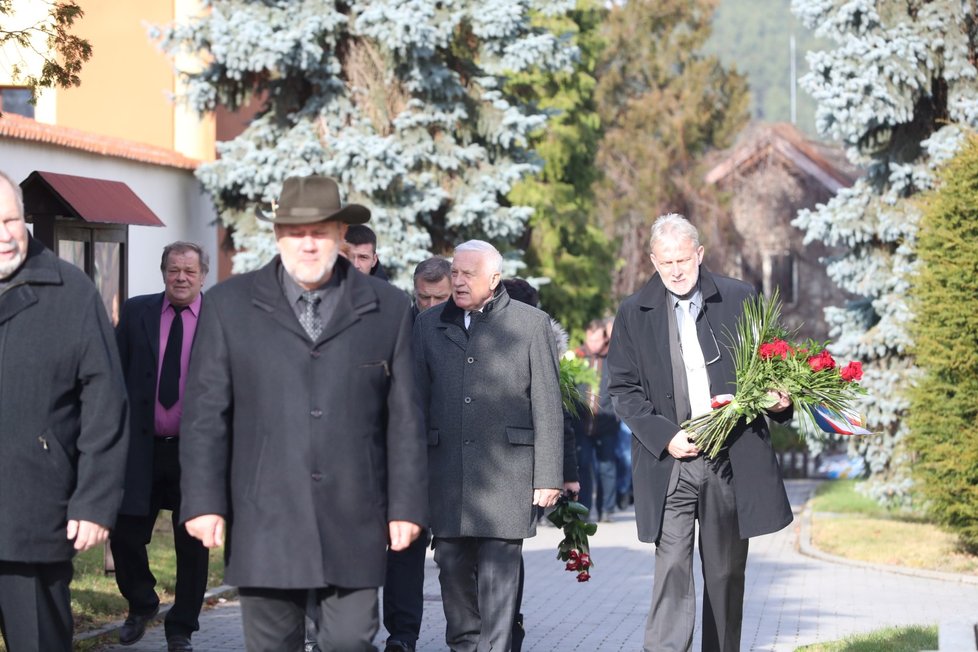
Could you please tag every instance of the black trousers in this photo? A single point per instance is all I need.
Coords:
(274, 619)
(479, 580)
(35, 606)
(404, 592)
(133, 533)
(702, 492)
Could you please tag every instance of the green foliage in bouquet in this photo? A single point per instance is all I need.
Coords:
(943, 414)
(571, 517)
(766, 359)
(574, 374)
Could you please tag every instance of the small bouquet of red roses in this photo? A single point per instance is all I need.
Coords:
(766, 359)
(571, 517)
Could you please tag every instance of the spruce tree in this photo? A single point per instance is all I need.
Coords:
(663, 105)
(403, 101)
(893, 91)
(565, 243)
(943, 415)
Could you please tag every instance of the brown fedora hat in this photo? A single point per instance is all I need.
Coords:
(305, 200)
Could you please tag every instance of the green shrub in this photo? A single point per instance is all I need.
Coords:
(943, 415)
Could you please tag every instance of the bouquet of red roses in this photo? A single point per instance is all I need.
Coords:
(571, 516)
(766, 359)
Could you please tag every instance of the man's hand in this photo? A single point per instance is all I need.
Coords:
(402, 534)
(86, 534)
(783, 400)
(682, 447)
(545, 497)
(209, 528)
(573, 489)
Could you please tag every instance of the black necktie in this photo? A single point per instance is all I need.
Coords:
(169, 390)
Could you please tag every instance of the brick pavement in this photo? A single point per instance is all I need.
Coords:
(790, 600)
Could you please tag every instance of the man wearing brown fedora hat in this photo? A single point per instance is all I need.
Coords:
(314, 492)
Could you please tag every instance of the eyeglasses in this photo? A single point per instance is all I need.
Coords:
(695, 365)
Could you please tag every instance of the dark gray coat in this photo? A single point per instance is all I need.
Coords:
(495, 426)
(641, 385)
(63, 421)
(307, 448)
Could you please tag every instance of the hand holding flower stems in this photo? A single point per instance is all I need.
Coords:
(773, 372)
(571, 516)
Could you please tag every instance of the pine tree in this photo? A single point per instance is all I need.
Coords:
(943, 415)
(663, 105)
(403, 101)
(894, 89)
(565, 244)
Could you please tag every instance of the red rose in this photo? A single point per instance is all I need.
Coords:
(821, 361)
(573, 566)
(852, 372)
(583, 576)
(573, 555)
(775, 348)
(585, 561)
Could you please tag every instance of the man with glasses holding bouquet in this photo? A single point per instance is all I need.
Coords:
(669, 356)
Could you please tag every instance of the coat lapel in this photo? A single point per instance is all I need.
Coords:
(40, 268)
(356, 298)
(267, 295)
(655, 309)
(453, 324)
(151, 324)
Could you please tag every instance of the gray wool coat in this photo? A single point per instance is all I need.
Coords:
(495, 426)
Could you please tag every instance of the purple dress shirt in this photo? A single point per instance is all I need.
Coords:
(167, 420)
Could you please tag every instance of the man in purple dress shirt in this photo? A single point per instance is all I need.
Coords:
(155, 352)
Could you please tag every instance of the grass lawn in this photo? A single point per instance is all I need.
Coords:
(848, 524)
(95, 598)
(891, 639)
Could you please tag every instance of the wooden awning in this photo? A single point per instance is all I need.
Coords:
(97, 201)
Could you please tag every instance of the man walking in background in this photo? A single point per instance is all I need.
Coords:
(63, 431)
(668, 358)
(155, 334)
(315, 491)
(487, 371)
(361, 249)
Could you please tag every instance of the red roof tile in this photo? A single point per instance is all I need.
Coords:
(21, 128)
(93, 200)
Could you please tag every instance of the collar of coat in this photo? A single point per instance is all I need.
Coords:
(655, 295)
(40, 268)
(357, 297)
(452, 314)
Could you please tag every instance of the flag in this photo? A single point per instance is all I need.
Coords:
(838, 423)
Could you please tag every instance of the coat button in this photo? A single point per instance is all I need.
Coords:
(316, 413)
(314, 354)
(470, 360)
(668, 395)
(317, 476)
(468, 399)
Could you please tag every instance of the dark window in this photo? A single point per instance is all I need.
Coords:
(779, 272)
(16, 100)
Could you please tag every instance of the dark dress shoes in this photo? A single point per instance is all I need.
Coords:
(135, 626)
(178, 643)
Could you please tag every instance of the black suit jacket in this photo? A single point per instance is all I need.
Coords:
(138, 337)
(641, 386)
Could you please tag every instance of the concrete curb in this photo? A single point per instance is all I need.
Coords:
(806, 548)
(224, 592)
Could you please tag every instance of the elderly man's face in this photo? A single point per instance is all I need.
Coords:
(428, 294)
(473, 280)
(13, 232)
(677, 260)
(309, 251)
(183, 277)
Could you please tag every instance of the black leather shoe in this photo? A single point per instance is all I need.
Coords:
(135, 626)
(178, 643)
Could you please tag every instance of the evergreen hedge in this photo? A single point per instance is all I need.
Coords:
(943, 415)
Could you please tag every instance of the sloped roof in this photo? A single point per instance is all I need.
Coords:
(783, 141)
(93, 200)
(21, 128)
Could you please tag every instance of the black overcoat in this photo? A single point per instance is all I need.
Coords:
(641, 387)
(63, 420)
(307, 448)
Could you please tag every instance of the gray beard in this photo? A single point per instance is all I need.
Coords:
(7, 269)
